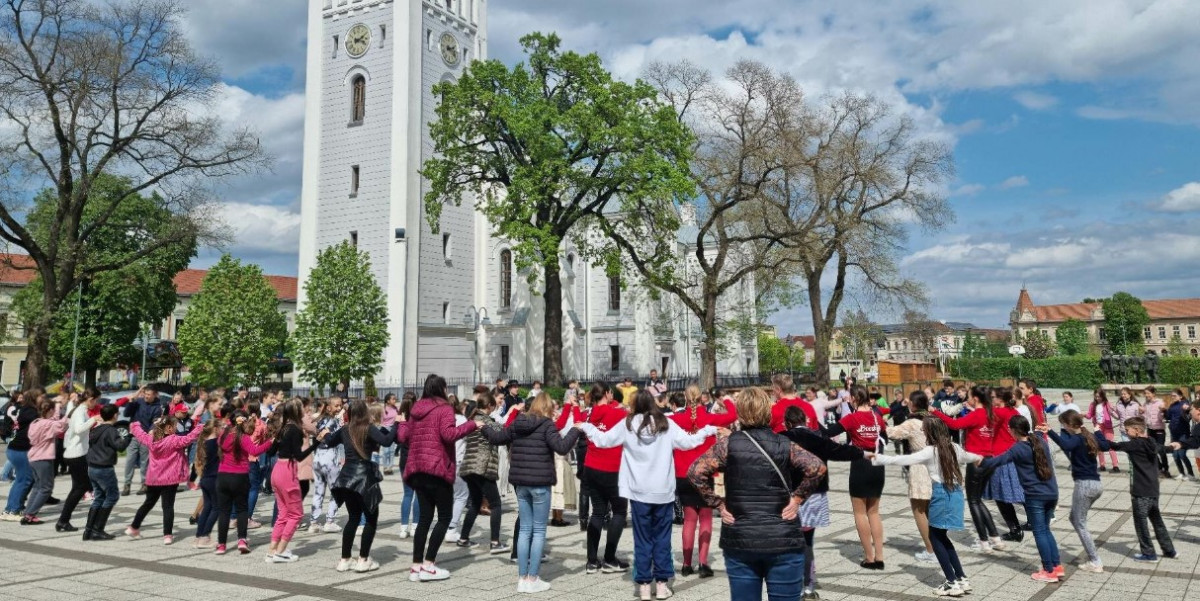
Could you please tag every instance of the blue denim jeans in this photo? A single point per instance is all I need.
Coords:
(9, 473)
(19, 460)
(1039, 512)
(533, 510)
(208, 515)
(409, 506)
(104, 487)
(783, 574)
(260, 473)
(652, 560)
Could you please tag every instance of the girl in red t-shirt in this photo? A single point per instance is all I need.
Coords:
(865, 429)
(697, 515)
(977, 438)
(1004, 486)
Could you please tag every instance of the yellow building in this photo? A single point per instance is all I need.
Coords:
(1168, 317)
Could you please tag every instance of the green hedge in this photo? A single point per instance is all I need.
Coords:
(1067, 372)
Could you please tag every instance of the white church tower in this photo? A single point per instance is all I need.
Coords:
(371, 67)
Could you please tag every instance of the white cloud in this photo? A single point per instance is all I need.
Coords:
(968, 190)
(1016, 181)
(261, 229)
(1035, 100)
(1183, 199)
(249, 36)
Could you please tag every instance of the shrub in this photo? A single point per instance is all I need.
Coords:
(1053, 372)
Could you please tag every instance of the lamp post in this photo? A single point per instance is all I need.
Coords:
(476, 319)
(791, 344)
(145, 336)
(75, 341)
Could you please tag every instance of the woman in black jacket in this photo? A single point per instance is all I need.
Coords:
(534, 440)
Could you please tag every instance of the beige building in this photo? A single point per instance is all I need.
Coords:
(1168, 318)
(16, 271)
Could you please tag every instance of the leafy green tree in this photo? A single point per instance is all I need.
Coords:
(774, 354)
(1038, 345)
(112, 305)
(233, 326)
(1124, 319)
(1072, 337)
(549, 146)
(1176, 347)
(978, 346)
(342, 331)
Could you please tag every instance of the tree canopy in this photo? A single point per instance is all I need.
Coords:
(1124, 320)
(1072, 337)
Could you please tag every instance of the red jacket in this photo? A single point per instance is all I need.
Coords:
(781, 407)
(977, 430)
(1002, 438)
(430, 434)
(683, 419)
(604, 417)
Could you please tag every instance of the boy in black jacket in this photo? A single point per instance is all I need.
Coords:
(105, 443)
(1143, 454)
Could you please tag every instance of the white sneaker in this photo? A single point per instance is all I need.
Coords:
(314, 528)
(285, 557)
(403, 531)
(964, 584)
(343, 565)
(997, 543)
(433, 574)
(522, 585)
(414, 575)
(1180, 478)
(1094, 567)
(537, 586)
(331, 527)
(981, 546)
(948, 589)
(925, 557)
(366, 565)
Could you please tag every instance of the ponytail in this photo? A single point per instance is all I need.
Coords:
(1073, 420)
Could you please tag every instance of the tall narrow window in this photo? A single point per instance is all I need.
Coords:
(446, 313)
(614, 358)
(336, 43)
(354, 239)
(505, 279)
(504, 357)
(382, 35)
(614, 293)
(446, 246)
(358, 99)
(354, 181)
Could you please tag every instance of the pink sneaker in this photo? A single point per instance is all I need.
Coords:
(168, 539)
(1044, 576)
(220, 550)
(243, 546)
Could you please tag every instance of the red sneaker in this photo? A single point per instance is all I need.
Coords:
(1044, 576)
(1058, 571)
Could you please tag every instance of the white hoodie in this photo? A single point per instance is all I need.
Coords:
(79, 428)
(648, 462)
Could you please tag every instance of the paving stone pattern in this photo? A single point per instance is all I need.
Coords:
(42, 565)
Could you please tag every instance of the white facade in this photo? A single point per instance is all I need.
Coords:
(361, 181)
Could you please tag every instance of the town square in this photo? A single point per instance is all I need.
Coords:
(487, 299)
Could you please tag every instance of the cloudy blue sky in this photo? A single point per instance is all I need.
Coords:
(1075, 123)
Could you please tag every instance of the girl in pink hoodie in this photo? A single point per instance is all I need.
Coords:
(168, 468)
(42, 434)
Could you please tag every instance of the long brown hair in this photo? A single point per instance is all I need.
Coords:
(980, 394)
(1072, 419)
(209, 430)
(652, 415)
(937, 435)
(358, 424)
(1041, 457)
(163, 427)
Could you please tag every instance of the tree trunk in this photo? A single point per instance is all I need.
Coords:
(821, 332)
(89, 376)
(708, 355)
(552, 369)
(37, 356)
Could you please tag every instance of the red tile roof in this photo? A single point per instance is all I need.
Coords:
(804, 341)
(18, 270)
(1183, 308)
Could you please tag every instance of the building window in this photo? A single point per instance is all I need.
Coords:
(446, 246)
(1191, 332)
(354, 180)
(382, 35)
(506, 279)
(614, 293)
(429, 39)
(178, 326)
(1195, 353)
(1174, 330)
(504, 357)
(354, 239)
(614, 358)
(3, 325)
(1103, 335)
(336, 43)
(1162, 332)
(1146, 332)
(446, 313)
(358, 99)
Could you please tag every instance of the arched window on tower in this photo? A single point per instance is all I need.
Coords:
(358, 99)
(505, 279)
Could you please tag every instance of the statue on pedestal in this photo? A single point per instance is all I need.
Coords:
(1139, 367)
(1106, 365)
(1126, 368)
(1151, 362)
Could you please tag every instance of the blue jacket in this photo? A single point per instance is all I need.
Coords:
(1177, 421)
(1021, 456)
(144, 413)
(1083, 464)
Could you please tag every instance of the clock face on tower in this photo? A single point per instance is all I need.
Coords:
(358, 40)
(448, 45)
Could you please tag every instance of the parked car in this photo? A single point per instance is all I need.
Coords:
(120, 399)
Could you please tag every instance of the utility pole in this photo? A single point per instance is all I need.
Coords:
(75, 342)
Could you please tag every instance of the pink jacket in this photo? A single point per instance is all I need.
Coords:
(231, 462)
(42, 434)
(430, 434)
(168, 455)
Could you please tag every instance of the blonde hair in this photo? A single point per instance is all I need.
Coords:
(542, 406)
(754, 407)
(376, 413)
(784, 382)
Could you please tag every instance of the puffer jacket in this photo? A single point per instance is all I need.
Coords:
(535, 441)
(756, 496)
(481, 458)
(430, 434)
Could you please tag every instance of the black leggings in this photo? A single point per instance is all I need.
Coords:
(1009, 512)
(810, 558)
(606, 497)
(433, 494)
(479, 488)
(947, 556)
(153, 493)
(977, 480)
(356, 509)
(233, 494)
(80, 484)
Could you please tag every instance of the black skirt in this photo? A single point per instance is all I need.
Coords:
(866, 480)
(688, 495)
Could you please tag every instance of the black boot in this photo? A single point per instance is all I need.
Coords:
(91, 523)
(64, 527)
(98, 532)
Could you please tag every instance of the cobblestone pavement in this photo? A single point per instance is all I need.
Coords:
(42, 565)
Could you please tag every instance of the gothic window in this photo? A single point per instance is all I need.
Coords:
(505, 279)
(614, 358)
(358, 99)
(614, 293)
(504, 359)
